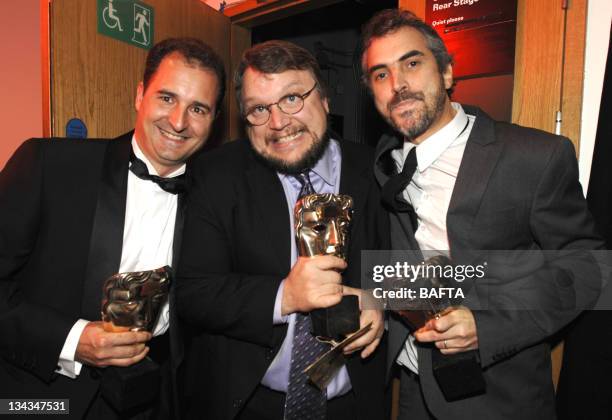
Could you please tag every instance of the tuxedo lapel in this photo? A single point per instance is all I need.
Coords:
(482, 152)
(178, 230)
(107, 232)
(176, 343)
(268, 198)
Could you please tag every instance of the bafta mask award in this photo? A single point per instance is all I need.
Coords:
(132, 302)
(458, 375)
(322, 223)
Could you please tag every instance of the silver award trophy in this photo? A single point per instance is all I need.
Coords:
(132, 302)
(322, 224)
(458, 375)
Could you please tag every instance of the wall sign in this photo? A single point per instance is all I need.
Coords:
(479, 34)
(127, 20)
(76, 129)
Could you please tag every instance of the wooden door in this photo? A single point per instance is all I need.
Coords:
(94, 77)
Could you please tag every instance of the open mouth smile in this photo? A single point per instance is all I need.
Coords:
(288, 138)
(172, 136)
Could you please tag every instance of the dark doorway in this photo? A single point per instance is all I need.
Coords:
(332, 35)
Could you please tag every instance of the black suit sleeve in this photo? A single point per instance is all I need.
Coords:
(213, 293)
(32, 333)
(542, 302)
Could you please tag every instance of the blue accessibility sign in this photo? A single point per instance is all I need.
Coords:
(76, 129)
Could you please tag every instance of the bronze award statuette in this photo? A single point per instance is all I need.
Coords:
(458, 375)
(322, 224)
(132, 302)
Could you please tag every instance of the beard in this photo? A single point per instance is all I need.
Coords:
(414, 122)
(307, 161)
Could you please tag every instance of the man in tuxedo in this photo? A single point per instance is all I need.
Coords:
(241, 282)
(75, 212)
(455, 180)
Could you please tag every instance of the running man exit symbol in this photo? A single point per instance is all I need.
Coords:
(141, 25)
(129, 21)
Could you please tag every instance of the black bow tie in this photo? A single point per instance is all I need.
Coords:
(174, 185)
(397, 184)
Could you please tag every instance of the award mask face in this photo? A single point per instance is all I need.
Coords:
(132, 301)
(322, 224)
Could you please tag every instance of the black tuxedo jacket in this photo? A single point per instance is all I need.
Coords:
(235, 253)
(61, 233)
(517, 189)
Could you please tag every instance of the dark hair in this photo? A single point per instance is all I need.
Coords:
(277, 57)
(195, 52)
(390, 20)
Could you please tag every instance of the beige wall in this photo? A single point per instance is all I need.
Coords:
(20, 75)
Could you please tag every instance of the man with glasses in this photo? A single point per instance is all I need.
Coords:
(241, 282)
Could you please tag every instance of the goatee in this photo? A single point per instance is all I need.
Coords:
(421, 118)
(308, 161)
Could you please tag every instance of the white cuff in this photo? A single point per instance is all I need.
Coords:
(277, 317)
(163, 322)
(66, 364)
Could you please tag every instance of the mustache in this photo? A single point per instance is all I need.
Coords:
(289, 132)
(404, 95)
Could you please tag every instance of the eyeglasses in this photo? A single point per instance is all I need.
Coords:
(289, 104)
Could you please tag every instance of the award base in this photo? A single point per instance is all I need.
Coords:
(458, 375)
(338, 321)
(126, 388)
(325, 368)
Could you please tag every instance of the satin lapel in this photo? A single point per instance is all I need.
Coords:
(178, 230)
(176, 343)
(107, 231)
(482, 152)
(268, 198)
(354, 180)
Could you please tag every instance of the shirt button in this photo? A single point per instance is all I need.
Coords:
(237, 403)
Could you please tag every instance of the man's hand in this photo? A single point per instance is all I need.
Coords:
(370, 340)
(100, 348)
(314, 282)
(454, 332)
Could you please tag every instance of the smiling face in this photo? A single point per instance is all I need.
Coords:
(175, 112)
(288, 143)
(408, 88)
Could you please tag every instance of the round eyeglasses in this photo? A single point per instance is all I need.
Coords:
(288, 104)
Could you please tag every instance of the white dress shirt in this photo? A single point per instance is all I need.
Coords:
(148, 233)
(430, 191)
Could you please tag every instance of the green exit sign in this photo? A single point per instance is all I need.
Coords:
(127, 20)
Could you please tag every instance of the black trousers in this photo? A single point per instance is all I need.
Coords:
(266, 404)
(411, 401)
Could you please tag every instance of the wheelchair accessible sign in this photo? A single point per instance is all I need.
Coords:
(126, 20)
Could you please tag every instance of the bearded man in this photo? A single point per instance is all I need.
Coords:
(241, 282)
(454, 180)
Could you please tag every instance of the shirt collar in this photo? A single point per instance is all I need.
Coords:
(431, 149)
(140, 155)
